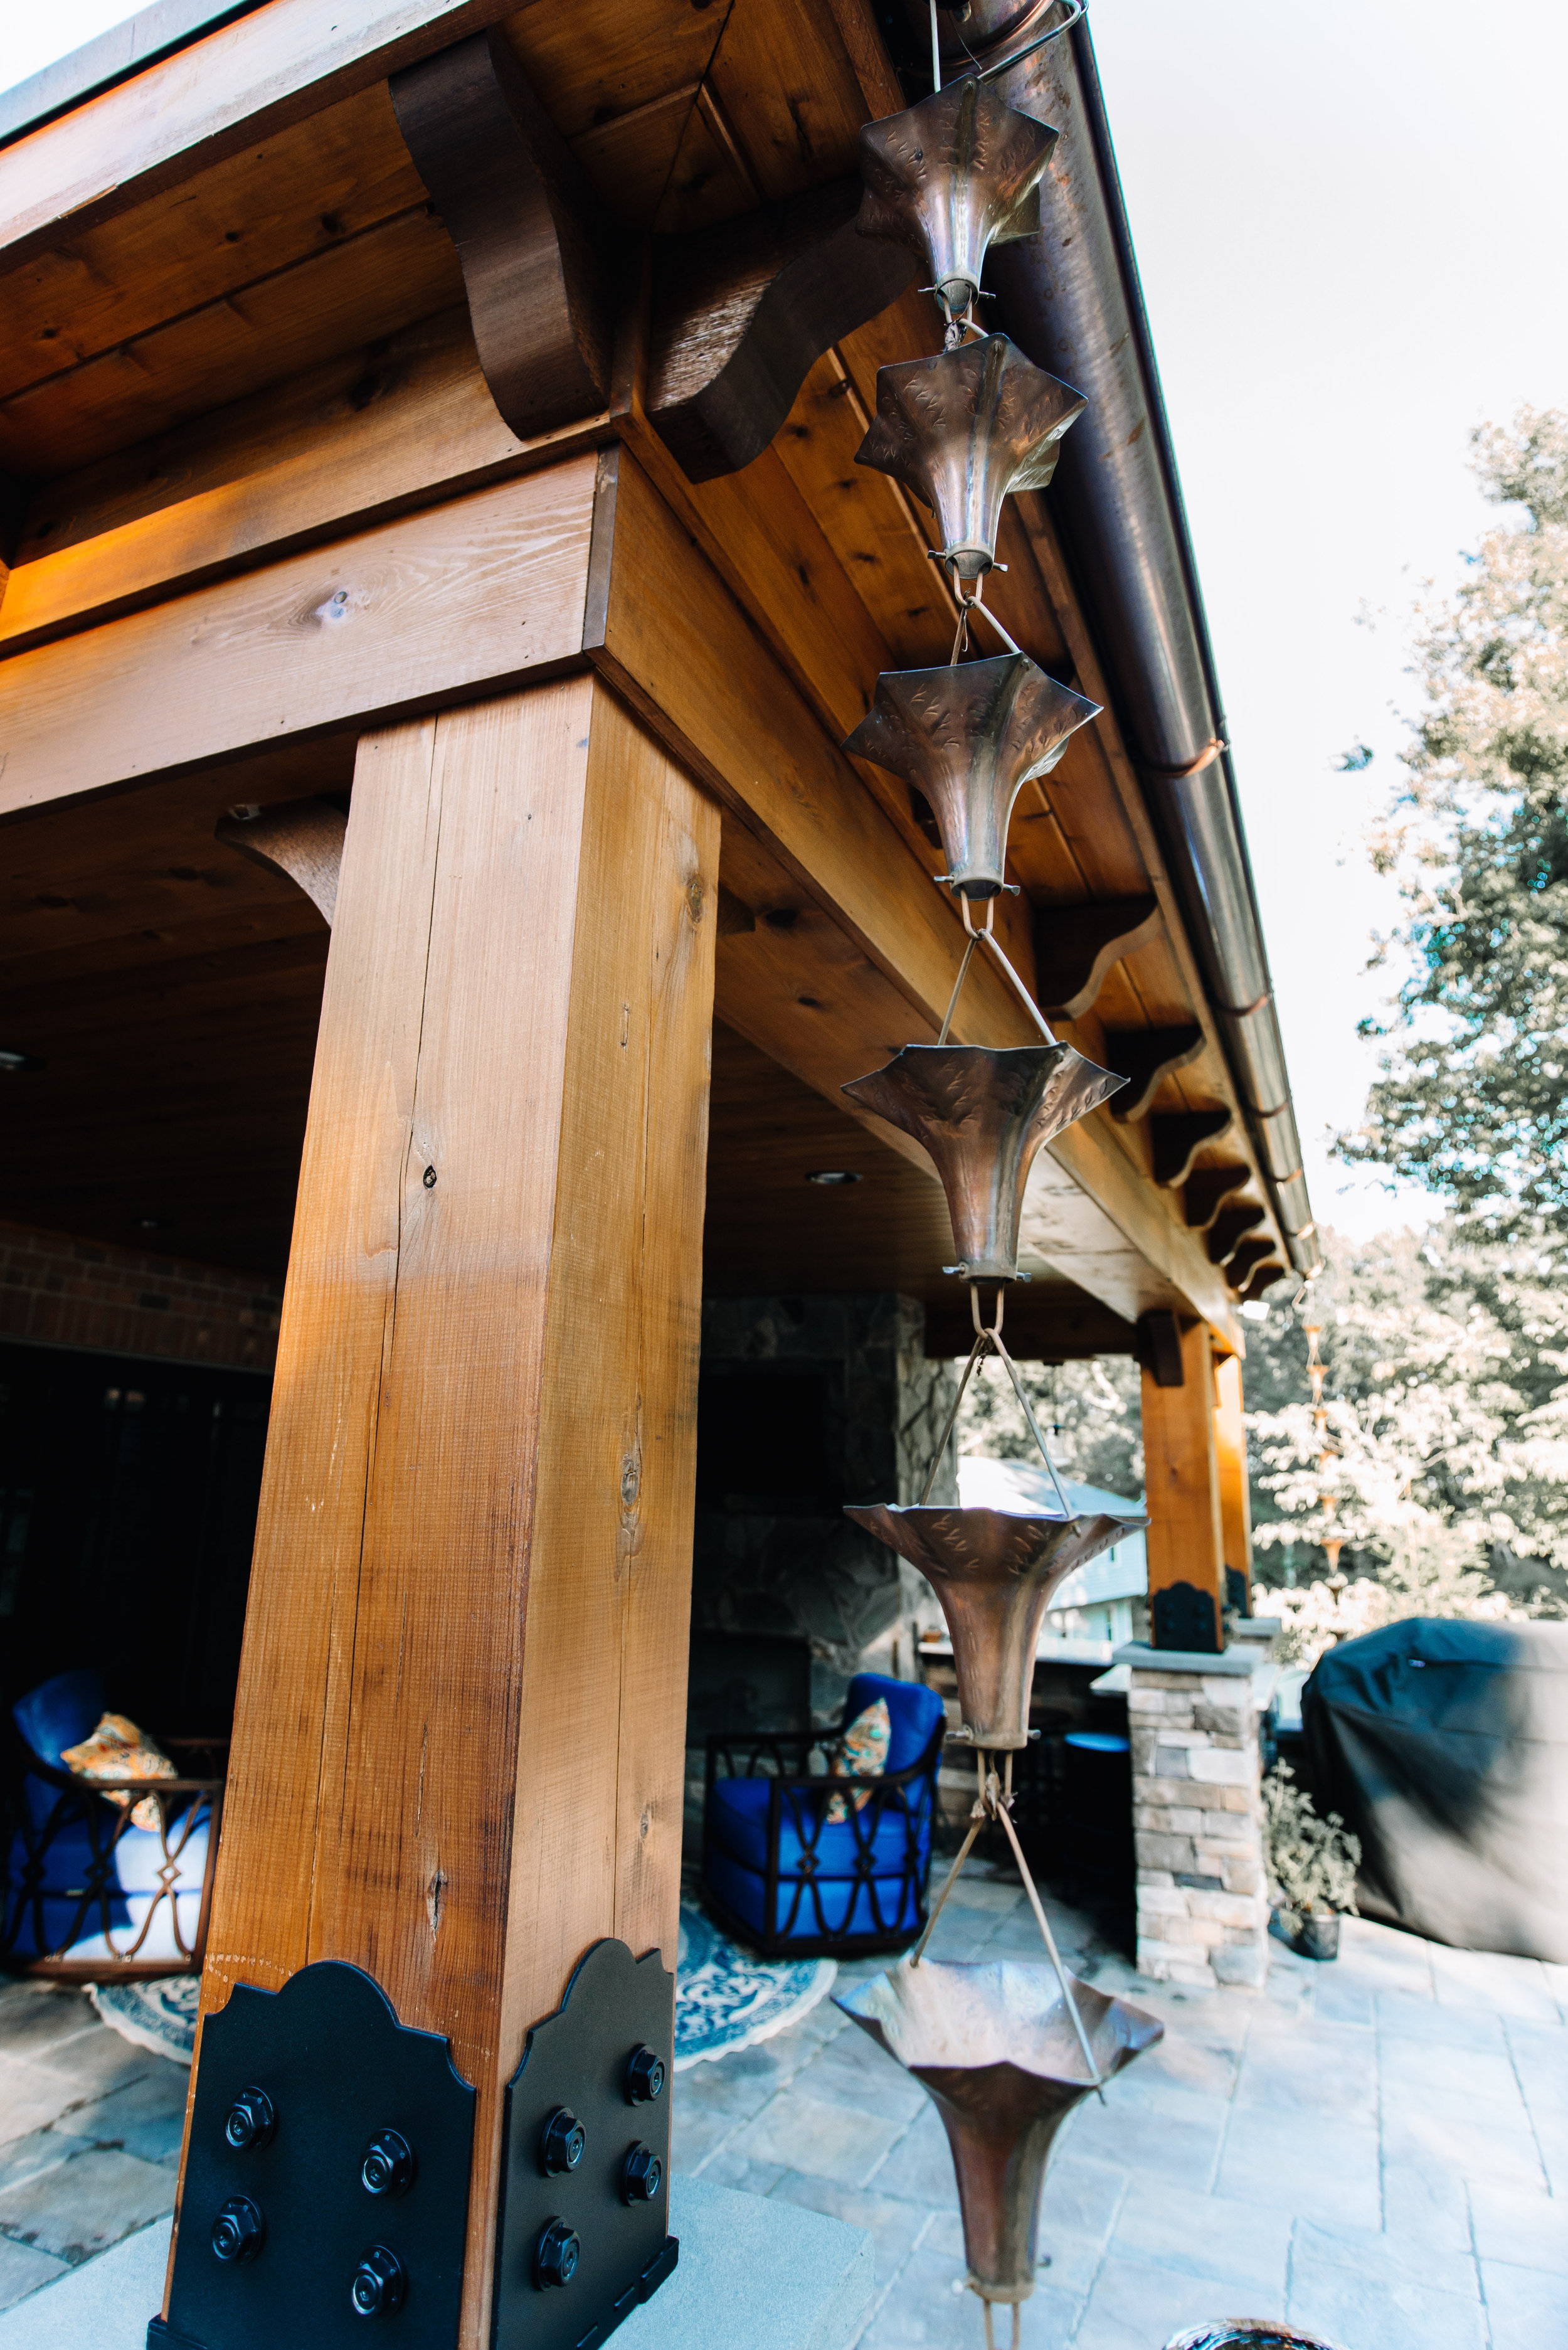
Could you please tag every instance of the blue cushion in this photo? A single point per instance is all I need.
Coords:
(806, 1909)
(913, 1713)
(1095, 1741)
(739, 1822)
(60, 1713)
(136, 1872)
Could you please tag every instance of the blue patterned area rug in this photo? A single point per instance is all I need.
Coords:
(725, 1998)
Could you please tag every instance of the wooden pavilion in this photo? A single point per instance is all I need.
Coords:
(439, 586)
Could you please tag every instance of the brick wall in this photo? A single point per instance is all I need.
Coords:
(59, 1291)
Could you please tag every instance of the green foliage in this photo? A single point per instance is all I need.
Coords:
(1447, 1394)
(1089, 1414)
(1473, 1100)
(1312, 1862)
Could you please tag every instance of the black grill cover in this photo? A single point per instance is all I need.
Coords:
(1445, 1747)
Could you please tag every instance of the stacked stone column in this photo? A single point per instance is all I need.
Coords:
(1198, 1819)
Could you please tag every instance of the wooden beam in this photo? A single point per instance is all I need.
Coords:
(1230, 1227)
(434, 608)
(457, 1754)
(1244, 1256)
(742, 312)
(1145, 1058)
(1075, 946)
(1231, 1457)
(518, 206)
(1263, 1279)
(1181, 1481)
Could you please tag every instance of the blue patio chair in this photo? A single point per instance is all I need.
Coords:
(780, 1875)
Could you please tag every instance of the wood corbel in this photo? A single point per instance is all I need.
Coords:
(301, 838)
(1145, 1058)
(742, 313)
(1248, 1254)
(1230, 1228)
(1179, 1137)
(1076, 946)
(1207, 1190)
(1263, 1277)
(526, 223)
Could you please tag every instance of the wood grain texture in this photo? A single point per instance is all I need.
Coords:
(303, 838)
(1230, 1459)
(1181, 1473)
(471, 595)
(457, 1756)
(517, 205)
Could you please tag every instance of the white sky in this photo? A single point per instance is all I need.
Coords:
(1350, 222)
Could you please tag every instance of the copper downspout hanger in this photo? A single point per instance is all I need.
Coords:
(969, 737)
(949, 178)
(983, 1113)
(961, 429)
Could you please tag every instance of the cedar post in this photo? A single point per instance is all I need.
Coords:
(1230, 1450)
(458, 1746)
(1186, 1557)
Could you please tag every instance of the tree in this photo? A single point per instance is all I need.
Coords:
(1473, 1099)
(1446, 1402)
(1089, 1414)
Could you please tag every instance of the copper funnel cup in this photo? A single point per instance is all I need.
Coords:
(994, 2048)
(969, 737)
(961, 429)
(994, 1572)
(950, 177)
(983, 1114)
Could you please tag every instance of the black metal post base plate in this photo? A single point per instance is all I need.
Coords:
(337, 2072)
(578, 2059)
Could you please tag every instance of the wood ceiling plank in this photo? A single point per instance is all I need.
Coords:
(787, 88)
(709, 180)
(603, 59)
(282, 198)
(477, 593)
(629, 160)
(358, 288)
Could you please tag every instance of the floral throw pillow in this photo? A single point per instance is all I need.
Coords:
(118, 1749)
(860, 1753)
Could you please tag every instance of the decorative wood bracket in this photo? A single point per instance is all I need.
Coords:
(743, 311)
(1075, 947)
(1248, 1254)
(303, 838)
(1230, 1228)
(1264, 1276)
(1145, 1058)
(1207, 1189)
(525, 224)
(1177, 1139)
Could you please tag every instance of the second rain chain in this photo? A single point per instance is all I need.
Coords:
(1005, 2051)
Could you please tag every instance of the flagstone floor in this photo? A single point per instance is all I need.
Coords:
(1376, 2150)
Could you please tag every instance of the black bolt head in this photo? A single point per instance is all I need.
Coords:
(388, 2164)
(380, 2283)
(644, 2075)
(239, 2229)
(251, 2121)
(564, 2143)
(556, 2254)
(641, 2175)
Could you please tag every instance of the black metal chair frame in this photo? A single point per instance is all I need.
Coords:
(180, 1804)
(799, 1798)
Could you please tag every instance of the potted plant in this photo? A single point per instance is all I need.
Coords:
(1311, 1866)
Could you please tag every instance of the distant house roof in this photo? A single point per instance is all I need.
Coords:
(1120, 1572)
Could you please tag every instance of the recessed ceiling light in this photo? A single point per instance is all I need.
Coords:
(832, 1175)
(149, 1223)
(15, 1062)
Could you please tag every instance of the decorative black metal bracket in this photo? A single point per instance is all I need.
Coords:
(582, 2233)
(326, 2176)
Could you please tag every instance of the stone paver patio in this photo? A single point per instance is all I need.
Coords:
(1375, 2149)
